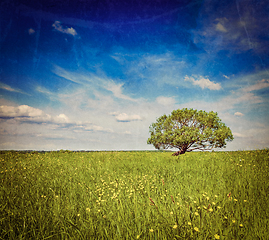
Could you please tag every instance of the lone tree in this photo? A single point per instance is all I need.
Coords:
(188, 130)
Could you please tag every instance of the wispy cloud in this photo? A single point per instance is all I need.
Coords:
(52, 96)
(240, 30)
(259, 85)
(116, 89)
(159, 69)
(94, 82)
(10, 89)
(203, 83)
(58, 26)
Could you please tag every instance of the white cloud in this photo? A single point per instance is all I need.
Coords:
(57, 26)
(36, 128)
(123, 117)
(71, 31)
(165, 100)
(95, 128)
(221, 28)
(226, 76)
(26, 114)
(203, 83)
(31, 31)
(239, 114)
(239, 135)
(62, 119)
(23, 112)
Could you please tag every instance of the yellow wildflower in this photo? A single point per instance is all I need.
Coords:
(210, 210)
(137, 236)
(189, 223)
(233, 221)
(196, 213)
(217, 236)
(175, 226)
(151, 230)
(196, 229)
(240, 225)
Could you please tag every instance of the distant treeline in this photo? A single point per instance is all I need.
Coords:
(73, 151)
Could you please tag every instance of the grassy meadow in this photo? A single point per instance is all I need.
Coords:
(134, 195)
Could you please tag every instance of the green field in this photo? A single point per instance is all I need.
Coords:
(134, 195)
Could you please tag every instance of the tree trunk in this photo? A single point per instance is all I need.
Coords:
(181, 151)
(176, 153)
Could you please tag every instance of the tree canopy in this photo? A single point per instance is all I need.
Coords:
(188, 130)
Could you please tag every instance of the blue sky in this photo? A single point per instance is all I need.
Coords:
(93, 75)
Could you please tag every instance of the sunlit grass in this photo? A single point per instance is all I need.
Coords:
(134, 195)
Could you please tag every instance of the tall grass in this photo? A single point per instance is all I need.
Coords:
(134, 195)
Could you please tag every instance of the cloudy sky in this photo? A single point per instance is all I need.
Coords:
(94, 74)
